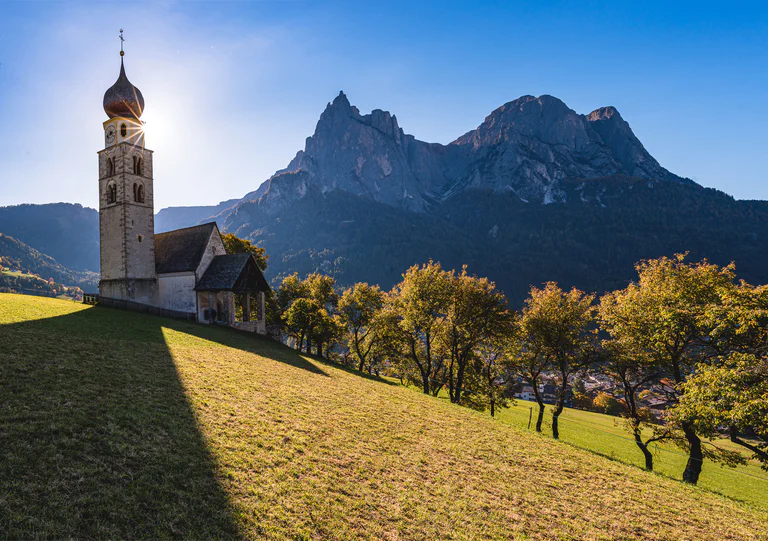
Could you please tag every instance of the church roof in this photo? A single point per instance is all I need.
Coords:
(233, 272)
(182, 250)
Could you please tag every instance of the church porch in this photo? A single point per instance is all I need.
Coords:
(232, 292)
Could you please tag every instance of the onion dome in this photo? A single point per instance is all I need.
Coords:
(122, 98)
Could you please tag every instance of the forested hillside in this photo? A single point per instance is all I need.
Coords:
(17, 257)
(516, 244)
(69, 233)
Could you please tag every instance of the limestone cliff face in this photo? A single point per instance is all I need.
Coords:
(530, 147)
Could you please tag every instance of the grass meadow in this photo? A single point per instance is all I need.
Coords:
(120, 425)
(606, 435)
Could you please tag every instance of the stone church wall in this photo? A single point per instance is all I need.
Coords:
(215, 247)
(177, 291)
(141, 291)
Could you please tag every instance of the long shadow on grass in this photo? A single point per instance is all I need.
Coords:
(97, 439)
(250, 342)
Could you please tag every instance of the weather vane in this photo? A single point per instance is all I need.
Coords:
(122, 40)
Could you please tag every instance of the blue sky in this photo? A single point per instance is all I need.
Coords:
(232, 89)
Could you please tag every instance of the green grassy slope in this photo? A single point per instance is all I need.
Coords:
(115, 424)
(606, 435)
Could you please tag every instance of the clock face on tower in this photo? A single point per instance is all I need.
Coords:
(109, 135)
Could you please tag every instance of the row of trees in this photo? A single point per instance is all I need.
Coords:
(687, 330)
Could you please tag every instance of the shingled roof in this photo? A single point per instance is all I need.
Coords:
(182, 249)
(233, 272)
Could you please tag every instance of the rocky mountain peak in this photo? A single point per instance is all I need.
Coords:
(529, 146)
(604, 113)
(616, 134)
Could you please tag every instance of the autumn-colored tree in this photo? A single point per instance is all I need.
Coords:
(236, 245)
(477, 314)
(311, 321)
(607, 404)
(358, 308)
(494, 366)
(635, 372)
(421, 302)
(730, 392)
(558, 331)
(733, 395)
(665, 321)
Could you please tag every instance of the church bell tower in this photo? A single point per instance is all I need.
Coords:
(126, 208)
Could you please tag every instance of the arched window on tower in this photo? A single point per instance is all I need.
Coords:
(111, 193)
(123, 130)
(138, 192)
(110, 167)
(139, 167)
(135, 165)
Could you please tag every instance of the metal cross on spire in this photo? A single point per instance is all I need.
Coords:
(122, 40)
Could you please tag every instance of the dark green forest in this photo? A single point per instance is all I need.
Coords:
(591, 242)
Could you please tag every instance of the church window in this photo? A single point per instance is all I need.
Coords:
(139, 167)
(111, 193)
(141, 238)
(123, 130)
(138, 193)
(110, 167)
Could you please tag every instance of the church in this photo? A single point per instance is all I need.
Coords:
(185, 272)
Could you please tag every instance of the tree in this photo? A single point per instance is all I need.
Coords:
(358, 308)
(421, 302)
(607, 404)
(732, 394)
(235, 245)
(292, 289)
(494, 365)
(311, 321)
(635, 372)
(558, 327)
(477, 313)
(530, 361)
(665, 319)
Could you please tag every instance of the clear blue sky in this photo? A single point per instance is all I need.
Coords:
(233, 88)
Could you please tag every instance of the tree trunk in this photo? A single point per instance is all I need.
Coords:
(424, 373)
(629, 396)
(644, 448)
(695, 456)
(360, 355)
(540, 402)
(555, 417)
(319, 349)
(459, 380)
(559, 406)
(493, 407)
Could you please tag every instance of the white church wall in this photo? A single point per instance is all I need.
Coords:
(177, 291)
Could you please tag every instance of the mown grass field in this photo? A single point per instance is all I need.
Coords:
(120, 425)
(606, 435)
(17, 274)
